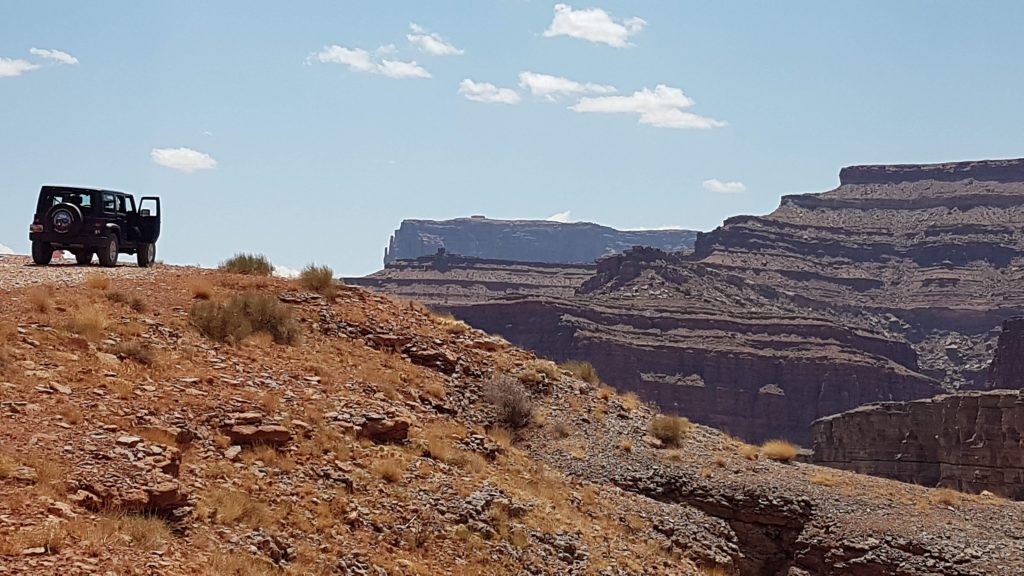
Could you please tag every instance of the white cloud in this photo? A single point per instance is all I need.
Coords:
(399, 69)
(183, 159)
(562, 217)
(487, 92)
(431, 43)
(362, 61)
(551, 87)
(593, 24)
(4, 250)
(15, 67)
(720, 187)
(660, 107)
(285, 272)
(57, 56)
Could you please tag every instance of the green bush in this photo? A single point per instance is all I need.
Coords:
(318, 279)
(252, 264)
(243, 315)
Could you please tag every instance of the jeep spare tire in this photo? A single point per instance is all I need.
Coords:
(64, 219)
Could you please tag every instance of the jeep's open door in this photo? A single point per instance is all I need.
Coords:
(149, 218)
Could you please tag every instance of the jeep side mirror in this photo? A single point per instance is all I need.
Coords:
(144, 212)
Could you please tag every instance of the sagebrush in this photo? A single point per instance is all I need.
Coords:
(252, 264)
(243, 315)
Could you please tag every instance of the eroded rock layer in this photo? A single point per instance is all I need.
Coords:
(890, 287)
(967, 441)
(1008, 366)
(525, 240)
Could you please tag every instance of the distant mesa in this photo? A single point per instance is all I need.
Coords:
(525, 240)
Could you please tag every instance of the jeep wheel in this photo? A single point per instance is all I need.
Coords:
(108, 252)
(146, 254)
(42, 253)
(83, 257)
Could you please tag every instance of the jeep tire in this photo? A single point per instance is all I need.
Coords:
(146, 254)
(42, 253)
(107, 252)
(83, 257)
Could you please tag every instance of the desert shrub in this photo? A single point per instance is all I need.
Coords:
(390, 470)
(511, 402)
(252, 264)
(39, 298)
(137, 351)
(201, 289)
(779, 450)
(97, 281)
(243, 315)
(89, 322)
(116, 296)
(946, 497)
(669, 429)
(138, 304)
(318, 279)
(583, 370)
(749, 451)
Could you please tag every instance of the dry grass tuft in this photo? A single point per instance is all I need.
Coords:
(511, 402)
(824, 479)
(201, 289)
(40, 298)
(779, 450)
(452, 325)
(583, 370)
(229, 507)
(318, 279)
(236, 564)
(136, 351)
(250, 264)
(390, 470)
(97, 281)
(243, 315)
(631, 401)
(669, 429)
(89, 322)
(502, 436)
(626, 445)
(605, 392)
(945, 497)
(50, 537)
(749, 451)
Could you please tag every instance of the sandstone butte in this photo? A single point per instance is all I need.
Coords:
(134, 444)
(891, 287)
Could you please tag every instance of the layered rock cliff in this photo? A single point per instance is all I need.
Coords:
(525, 240)
(968, 441)
(890, 287)
(1007, 369)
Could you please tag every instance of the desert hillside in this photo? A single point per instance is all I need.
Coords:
(185, 421)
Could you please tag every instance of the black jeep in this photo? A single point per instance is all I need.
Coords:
(84, 221)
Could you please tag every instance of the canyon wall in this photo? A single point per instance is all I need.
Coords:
(1007, 369)
(891, 287)
(524, 240)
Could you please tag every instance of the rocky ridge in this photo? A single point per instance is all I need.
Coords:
(370, 448)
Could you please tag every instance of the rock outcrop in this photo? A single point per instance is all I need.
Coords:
(890, 287)
(969, 441)
(1007, 369)
(525, 240)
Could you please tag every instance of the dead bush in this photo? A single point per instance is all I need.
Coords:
(251, 264)
(318, 279)
(583, 370)
(40, 299)
(669, 429)
(97, 281)
(511, 402)
(136, 351)
(244, 315)
(201, 289)
(779, 450)
(89, 322)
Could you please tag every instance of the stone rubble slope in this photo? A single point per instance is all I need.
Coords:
(370, 448)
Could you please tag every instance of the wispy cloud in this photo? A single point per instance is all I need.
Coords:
(661, 107)
(720, 187)
(57, 56)
(551, 87)
(184, 160)
(5, 251)
(285, 272)
(593, 24)
(430, 42)
(15, 67)
(362, 61)
(562, 217)
(487, 93)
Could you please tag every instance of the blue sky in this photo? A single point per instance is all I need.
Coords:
(308, 134)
